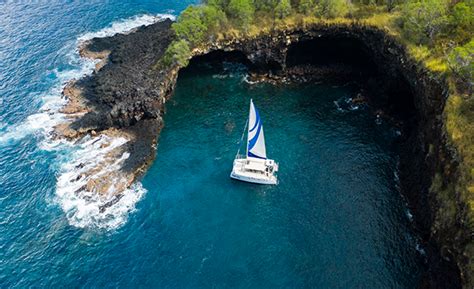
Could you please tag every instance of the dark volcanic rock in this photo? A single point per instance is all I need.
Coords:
(129, 94)
(126, 89)
(404, 90)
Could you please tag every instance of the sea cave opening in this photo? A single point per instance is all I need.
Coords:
(386, 84)
(338, 194)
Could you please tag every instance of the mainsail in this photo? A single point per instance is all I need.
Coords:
(255, 138)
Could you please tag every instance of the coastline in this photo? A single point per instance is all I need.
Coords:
(137, 116)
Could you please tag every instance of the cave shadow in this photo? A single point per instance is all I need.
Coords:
(387, 90)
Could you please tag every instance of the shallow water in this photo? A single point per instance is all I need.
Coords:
(336, 219)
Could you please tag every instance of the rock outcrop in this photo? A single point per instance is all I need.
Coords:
(128, 93)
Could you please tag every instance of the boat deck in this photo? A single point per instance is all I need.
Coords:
(252, 170)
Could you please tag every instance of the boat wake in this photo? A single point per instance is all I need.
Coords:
(90, 164)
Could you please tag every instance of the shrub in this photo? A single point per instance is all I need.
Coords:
(242, 11)
(461, 63)
(463, 15)
(178, 53)
(190, 26)
(221, 4)
(306, 7)
(213, 18)
(283, 9)
(334, 8)
(462, 20)
(423, 20)
(265, 5)
(195, 23)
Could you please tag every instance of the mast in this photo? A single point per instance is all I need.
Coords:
(249, 124)
(242, 139)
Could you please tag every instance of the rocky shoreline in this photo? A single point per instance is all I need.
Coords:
(126, 95)
(94, 108)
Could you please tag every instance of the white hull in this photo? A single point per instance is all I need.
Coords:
(254, 167)
(244, 171)
(250, 179)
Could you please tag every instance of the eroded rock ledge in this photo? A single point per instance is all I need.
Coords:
(127, 94)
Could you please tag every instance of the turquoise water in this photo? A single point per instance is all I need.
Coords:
(336, 219)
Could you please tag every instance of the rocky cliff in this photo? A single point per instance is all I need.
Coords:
(128, 93)
(407, 92)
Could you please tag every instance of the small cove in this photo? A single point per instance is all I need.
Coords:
(336, 219)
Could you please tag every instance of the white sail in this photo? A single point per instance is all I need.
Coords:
(255, 167)
(255, 137)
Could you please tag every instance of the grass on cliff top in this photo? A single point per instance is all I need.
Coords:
(433, 58)
(459, 114)
(459, 111)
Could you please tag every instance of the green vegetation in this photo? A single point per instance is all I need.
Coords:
(306, 7)
(432, 29)
(283, 9)
(423, 20)
(333, 8)
(197, 23)
(241, 11)
(461, 62)
(177, 54)
(438, 34)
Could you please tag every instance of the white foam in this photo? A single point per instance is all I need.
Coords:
(346, 104)
(49, 115)
(409, 214)
(378, 119)
(246, 79)
(420, 249)
(82, 208)
(126, 25)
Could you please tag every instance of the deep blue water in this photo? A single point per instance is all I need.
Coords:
(336, 219)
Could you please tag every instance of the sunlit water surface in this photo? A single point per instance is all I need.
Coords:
(335, 220)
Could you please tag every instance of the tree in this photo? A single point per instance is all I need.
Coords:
(242, 11)
(178, 53)
(461, 62)
(462, 15)
(221, 4)
(190, 25)
(213, 17)
(266, 5)
(390, 4)
(197, 22)
(334, 8)
(306, 7)
(423, 20)
(283, 9)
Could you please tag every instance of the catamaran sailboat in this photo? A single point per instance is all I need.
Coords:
(254, 167)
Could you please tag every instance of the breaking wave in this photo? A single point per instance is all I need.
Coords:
(82, 208)
(48, 115)
(126, 25)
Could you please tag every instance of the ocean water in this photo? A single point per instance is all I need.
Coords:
(335, 220)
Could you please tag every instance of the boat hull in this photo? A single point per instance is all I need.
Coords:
(253, 172)
(255, 180)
